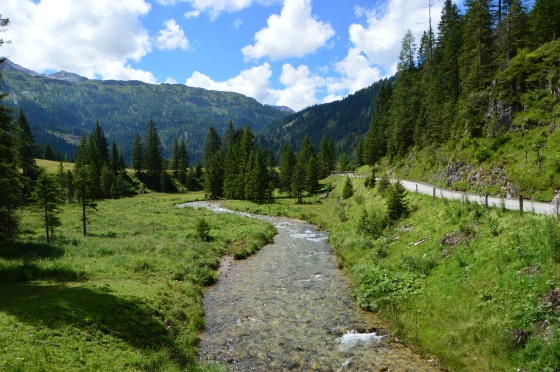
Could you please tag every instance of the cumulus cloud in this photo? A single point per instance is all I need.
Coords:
(375, 46)
(293, 33)
(172, 37)
(90, 37)
(300, 87)
(253, 82)
(299, 92)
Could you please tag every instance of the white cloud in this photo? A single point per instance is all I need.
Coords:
(216, 7)
(375, 47)
(300, 87)
(170, 80)
(88, 37)
(172, 37)
(381, 39)
(192, 14)
(293, 33)
(299, 92)
(253, 82)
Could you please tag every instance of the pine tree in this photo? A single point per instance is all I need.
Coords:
(327, 157)
(476, 56)
(174, 162)
(153, 160)
(298, 179)
(312, 175)
(70, 185)
(115, 160)
(213, 165)
(61, 179)
(26, 148)
(406, 103)
(10, 185)
(84, 193)
(183, 161)
(137, 154)
(48, 153)
(544, 20)
(348, 189)
(46, 199)
(397, 204)
(287, 164)
(98, 147)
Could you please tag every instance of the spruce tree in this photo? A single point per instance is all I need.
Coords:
(213, 165)
(153, 161)
(347, 190)
(298, 179)
(287, 165)
(10, 185)
(46, 199)
(26, 148)
(137, 154)
(397, 203)
(174, 161)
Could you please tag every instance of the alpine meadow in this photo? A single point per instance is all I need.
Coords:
(104, 264)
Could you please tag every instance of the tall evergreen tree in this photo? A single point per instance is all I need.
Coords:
(174, 161)
(544, 20)
(405, 105)
(98, 147)
(137, 154)
(10, 185)
(327, 157)
(183, 161)
(288, 161)
(26, 148)
(47, 199)
(213, 165)
(476, 56)
(153, 160)
(298, 179)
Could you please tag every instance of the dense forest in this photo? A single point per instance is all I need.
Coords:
(489, 71)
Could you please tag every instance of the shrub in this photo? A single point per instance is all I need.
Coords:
(347, 191)
(376, 287)
(397, 204)
(384, 184)
(203, 229)
(372, 223)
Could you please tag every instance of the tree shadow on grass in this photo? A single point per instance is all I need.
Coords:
(29, 251)
(23, 272)
(94, 311)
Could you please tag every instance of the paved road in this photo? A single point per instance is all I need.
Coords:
(510, 203)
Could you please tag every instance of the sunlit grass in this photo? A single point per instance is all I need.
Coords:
(126, 297)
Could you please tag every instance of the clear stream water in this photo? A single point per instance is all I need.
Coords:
(289, 308)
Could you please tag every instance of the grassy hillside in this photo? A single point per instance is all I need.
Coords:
(128, 297)
(476, 289)
(522, 162)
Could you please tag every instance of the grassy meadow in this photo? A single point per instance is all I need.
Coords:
(474, 288)
(126, 297)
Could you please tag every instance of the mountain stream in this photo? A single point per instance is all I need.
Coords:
(289, 308)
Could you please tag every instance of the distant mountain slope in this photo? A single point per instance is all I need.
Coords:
(342, 121)
(60, 110)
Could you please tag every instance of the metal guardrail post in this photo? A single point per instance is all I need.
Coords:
(520, 203)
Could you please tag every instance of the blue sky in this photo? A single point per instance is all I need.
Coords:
(294, 53)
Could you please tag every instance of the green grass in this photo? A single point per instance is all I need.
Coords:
(496, 165)
(474, 292)
(126, 297)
